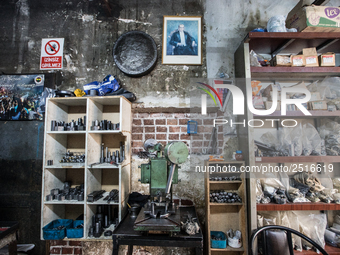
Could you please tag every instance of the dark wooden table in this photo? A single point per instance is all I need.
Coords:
(8, 235)
(125, 235)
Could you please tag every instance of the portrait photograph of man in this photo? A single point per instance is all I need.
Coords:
(182, 39)
(182, 42)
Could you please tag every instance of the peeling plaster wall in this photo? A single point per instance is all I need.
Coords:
(90, 29)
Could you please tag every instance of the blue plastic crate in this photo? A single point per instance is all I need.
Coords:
(50, 233)
(219, 244)
(74, 232)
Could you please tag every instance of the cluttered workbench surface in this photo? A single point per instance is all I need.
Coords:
(124, 234)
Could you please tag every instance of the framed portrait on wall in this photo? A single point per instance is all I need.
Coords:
(182, 40)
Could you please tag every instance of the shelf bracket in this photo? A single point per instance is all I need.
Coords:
(324, 45)
(320, 2)
(282, 47)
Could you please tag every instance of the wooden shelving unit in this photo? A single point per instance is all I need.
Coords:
(97, 177)
(319, 206)
(299, 114)
(225, 216)
(298, 159)
(273, 44)
(329, 249)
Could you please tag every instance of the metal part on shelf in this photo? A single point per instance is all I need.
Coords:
(67, 193)
(104, 125)
(73, 157)
(78, 125)
(113, 196)
(95, 195)
(101, 221)
(224, 196)
(225, 178)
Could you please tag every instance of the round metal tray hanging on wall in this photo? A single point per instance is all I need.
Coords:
(135, 53)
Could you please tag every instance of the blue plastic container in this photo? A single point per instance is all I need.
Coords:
(50, 233)
(192, 127)
(219, 244)
(74, 232)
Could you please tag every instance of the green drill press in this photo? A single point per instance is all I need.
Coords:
(160, 213)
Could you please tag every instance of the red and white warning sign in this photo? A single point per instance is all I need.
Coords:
(52, 53)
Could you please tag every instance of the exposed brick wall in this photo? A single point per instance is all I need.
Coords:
(65, 247)
(167, 127)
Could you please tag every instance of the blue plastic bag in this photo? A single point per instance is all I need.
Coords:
(108, 85)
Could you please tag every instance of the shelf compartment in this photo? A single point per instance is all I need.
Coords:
(296, 159)
(232, 186)
(91, 211)
(58, 144)
(112, 141)
(319, 206)
(102, 179)
(60, 211)
(224, 217)
(55, 178)
(103, 108)
(64, 109)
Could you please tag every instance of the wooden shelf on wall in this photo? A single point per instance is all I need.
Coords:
(329, 249)
(292, 43)
(315, 113)
(319, 206)
(294, 72)
(227, 249)
(297, 159)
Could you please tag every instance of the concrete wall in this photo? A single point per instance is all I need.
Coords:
(90, 29)
(228, 22)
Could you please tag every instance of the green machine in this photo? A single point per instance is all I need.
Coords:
(161, 172)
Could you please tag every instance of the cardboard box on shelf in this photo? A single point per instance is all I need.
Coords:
(258, 102)
(281, 60)
(307, 18)
(315, 96)
(268, 91)
(298, 60)
(317, 105)
(327, 59)
(311, 56)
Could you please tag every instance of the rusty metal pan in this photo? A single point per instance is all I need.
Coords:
(135, 53)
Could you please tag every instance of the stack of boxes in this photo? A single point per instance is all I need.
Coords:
(309, 58)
